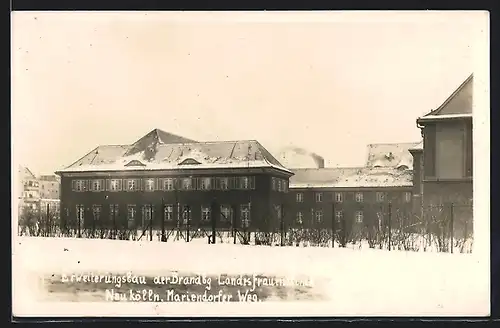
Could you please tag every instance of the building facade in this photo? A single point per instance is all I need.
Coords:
(166, 182)
(28, 189)
(447, 152)
(350, 200)
(49, 186)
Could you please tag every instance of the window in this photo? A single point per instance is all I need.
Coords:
(205, 213)
(147, 215)
(244, 183)
(359, 216)
(131, 214)
(407, 197)
(226, 213)
(338, 215)
(96, 212)
(299, 197)
(132, 185)
(79, 185)
(97, 185)
(205, 183)
(380, 219)
(187, 183)
(245, 215)
(319, 216)
(285, 185)
(222, 183)
(299, 218)
(273, 183)
(338, 197)
(359, 197)
(168, 212)
(277, 209)
(149, 185)
(115, 185)
(186, 214)
(319, 197)
(113, 211)
(168, 184)
(280, 187)
(80, 215)
(380, 196)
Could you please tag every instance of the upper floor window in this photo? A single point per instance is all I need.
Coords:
(285, 185)
(114, 184)
(319, 197)
(359, 197)
(187, 183)
(133, 184)
(299, 197)
(407, 197)
(222, 183)
(339, 197)
(79, 185)
(380, 196)
(205, 184)
(279, 182)
(168, 184)
(273, 183)
(149, 185)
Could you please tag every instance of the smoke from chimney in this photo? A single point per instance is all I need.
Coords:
(319, 161)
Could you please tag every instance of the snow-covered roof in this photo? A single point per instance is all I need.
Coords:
(444, 117)
(174, 156)
(353, 177)
(419, 146)
(25, 173)
(390, 155)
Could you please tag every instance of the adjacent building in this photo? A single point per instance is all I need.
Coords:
(28, 189)
(354, 198)
(170, 182)
(445, 158)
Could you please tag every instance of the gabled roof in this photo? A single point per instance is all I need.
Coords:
(25, 173)
(457, 105)
(156, 137)
(352, 177)
(390, 155)
(169, 156)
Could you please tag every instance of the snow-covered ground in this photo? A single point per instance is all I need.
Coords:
(345, 282)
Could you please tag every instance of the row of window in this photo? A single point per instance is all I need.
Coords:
(148, 211)
(358, 197)
(280, 185)
(318, 216)
(165, 184)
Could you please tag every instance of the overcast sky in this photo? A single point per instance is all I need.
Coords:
(331, 82)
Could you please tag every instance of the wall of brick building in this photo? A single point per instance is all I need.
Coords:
(261, 198)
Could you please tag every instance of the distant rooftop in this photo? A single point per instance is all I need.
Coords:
(351, 177)
(394, 155)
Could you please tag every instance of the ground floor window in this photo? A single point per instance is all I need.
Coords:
(245, 215)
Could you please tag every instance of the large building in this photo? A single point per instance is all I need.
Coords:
(355, 198)
(444, 174)
(176, 182)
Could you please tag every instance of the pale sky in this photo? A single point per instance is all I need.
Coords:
(328, 82)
